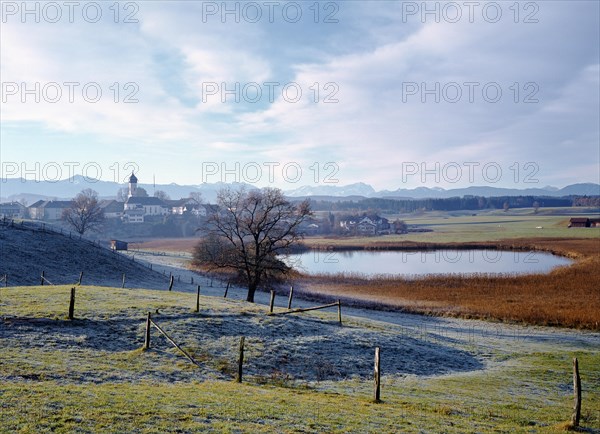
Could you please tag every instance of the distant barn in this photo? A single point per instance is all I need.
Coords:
(584, 222)
(118, 245)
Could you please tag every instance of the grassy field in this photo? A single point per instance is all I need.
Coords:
(90, 375)
(488, 227)
(446, 228)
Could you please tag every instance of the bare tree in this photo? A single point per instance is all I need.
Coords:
(247, 231)
(85, 212)
(197, 196)
(162, 195)
(122, 194)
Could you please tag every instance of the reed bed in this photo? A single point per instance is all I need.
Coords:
(566, 297)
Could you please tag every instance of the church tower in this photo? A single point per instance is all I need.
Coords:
(132, 185)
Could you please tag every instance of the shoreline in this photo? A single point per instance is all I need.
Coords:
(566, 297)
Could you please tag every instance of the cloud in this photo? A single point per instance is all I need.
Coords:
(366, 65)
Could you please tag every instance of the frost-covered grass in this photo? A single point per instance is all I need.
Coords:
(303, 373)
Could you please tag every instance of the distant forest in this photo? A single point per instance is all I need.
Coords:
(453, 203)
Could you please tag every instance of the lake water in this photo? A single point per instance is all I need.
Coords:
(416, 263)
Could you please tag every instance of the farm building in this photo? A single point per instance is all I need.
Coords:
(584, 222)
(118, 245)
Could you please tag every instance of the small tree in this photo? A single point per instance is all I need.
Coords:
(85, 212)
(247, 231)
(399, 226)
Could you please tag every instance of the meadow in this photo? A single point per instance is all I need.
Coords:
(91, 375)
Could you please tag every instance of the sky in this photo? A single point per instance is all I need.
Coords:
(286, 94)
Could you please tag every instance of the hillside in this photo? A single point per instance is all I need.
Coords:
(27, 250)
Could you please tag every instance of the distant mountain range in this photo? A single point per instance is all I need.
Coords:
(31, 191)
(365, 190)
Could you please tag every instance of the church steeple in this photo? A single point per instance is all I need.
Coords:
(132, 185)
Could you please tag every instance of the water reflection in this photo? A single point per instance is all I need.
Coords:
(426, 262)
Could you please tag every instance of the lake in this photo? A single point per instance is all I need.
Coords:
(418, 263)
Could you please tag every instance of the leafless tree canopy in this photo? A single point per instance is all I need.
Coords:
(162, 195)
(197, 196)
(246, 232)
(85, 213)
(122, 194)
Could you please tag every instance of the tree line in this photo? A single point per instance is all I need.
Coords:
(452, 203)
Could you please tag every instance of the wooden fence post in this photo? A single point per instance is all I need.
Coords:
(339, 303)
(80, 278)
(290, 297)
(123, 285)
(42, 278)
(272, 302)
(198, 300)
(576, 393)
(377, 375)
(147, 338)
(72, 303)
(240, 360)
(226, 291)
(172, 280)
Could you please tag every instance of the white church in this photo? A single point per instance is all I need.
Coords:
(137, 208)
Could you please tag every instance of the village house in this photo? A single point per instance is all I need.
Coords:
(48, 209)
(12, 210)
(205, 209)
(182, 206)
(133, 216)
(152, 206)
(112, 208)
(367, 225)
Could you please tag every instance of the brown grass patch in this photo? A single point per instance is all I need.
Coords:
(568, 296)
